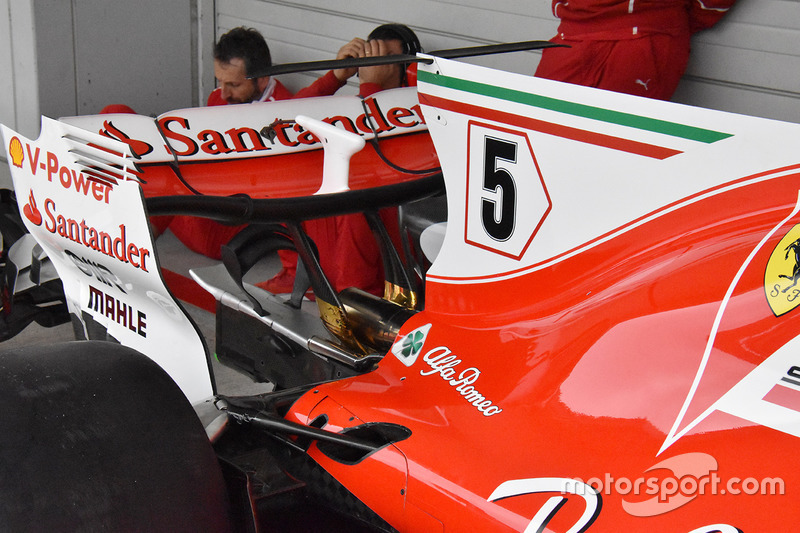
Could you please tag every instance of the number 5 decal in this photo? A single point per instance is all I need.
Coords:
(507, 200)
(499, 181)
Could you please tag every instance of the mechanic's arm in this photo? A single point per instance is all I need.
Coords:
(705, 13)
(333, 80)
(379, 77)
(355, 48)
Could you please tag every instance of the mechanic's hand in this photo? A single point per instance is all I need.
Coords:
(387, 76)
(354, 48)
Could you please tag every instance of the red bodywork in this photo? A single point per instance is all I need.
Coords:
(590, 361)
(591, 391)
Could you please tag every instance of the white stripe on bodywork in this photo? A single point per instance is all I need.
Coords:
(674, 434)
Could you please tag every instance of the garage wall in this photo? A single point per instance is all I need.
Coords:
(67, 57)
(18, 67)
(316, 29)
(750, 63)
(138, 55)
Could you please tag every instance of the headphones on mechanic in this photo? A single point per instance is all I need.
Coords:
(401, 32)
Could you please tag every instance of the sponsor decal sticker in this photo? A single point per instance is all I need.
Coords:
(138, 148)
(560, 487)
(112, 243)
(187, 137)
(408, 347)
(31, 210)
(442, 361)
(507, 200)
(15, 152)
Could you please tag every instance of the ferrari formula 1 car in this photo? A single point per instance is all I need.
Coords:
(608, 339)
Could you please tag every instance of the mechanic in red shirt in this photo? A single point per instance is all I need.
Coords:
(348, 252)
(638, 47)
(243, 50)
(239, 51)
(347, 249)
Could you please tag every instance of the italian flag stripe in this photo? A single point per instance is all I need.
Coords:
(576, 134)
(664, 127)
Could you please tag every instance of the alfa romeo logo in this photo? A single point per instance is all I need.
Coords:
(408, 348)
(412, 344)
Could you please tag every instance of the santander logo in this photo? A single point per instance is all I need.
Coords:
(32, 212)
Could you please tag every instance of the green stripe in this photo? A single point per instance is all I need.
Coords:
(580, 110)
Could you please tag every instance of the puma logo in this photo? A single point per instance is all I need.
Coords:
(643, 84)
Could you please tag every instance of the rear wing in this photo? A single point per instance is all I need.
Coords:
(79, 196)
(254, 130)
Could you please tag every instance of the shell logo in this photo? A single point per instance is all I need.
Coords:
(16, 152)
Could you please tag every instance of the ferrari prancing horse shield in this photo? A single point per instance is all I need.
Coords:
(782, 275)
